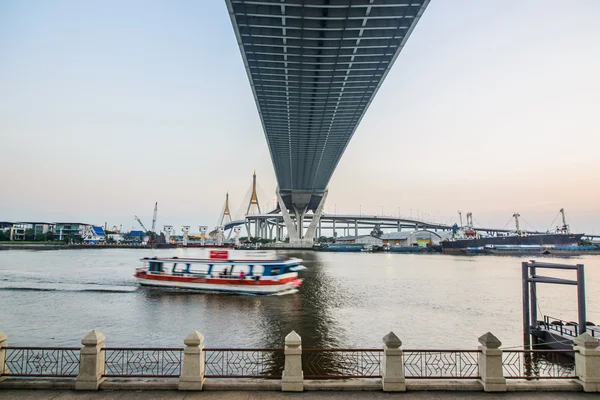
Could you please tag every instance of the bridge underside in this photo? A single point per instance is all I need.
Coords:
(314, 67)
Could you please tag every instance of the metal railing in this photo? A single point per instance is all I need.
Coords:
(139, 362)
(269, 363)
(538, 364)
(41, 361)
(341, 363)
(567, 328)
(243, 363)
(441, 364)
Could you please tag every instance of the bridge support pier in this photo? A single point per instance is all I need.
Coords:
(300, 204)
(320, 230)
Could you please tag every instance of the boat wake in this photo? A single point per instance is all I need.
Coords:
(62, 287)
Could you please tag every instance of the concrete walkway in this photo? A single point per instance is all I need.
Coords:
(225, 395)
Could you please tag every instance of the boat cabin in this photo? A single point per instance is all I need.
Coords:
(217, 269)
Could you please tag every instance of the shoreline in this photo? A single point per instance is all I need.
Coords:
(56, 246)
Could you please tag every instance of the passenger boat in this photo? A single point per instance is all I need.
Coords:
(222, 272)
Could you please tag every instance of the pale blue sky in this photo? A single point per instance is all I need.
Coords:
(109, 106)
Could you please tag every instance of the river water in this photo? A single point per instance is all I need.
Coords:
(54, 298)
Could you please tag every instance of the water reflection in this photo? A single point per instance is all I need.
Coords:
(346, 300)
(269, 318)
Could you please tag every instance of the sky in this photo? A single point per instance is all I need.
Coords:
(108, 106)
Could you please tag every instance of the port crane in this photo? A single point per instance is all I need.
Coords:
(141, 224)
(152, 232)
(154, 217)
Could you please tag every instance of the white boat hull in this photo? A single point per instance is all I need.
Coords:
(231, 288)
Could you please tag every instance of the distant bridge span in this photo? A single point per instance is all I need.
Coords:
(271, 225)
(314, 67)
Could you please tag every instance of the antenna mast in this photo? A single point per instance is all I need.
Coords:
(460, 216)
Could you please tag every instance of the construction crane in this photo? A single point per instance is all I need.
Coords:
(154, 217)
(141, 224)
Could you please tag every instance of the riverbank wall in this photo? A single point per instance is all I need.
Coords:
(391, 368)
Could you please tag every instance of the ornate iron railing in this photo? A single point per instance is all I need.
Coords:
(269, 363)
(441, 364)
(538, 364)
(140, 362)
(243, 363)
(341, 363)
(41, 361)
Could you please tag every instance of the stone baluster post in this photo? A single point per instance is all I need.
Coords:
(587, 362)
(3, 345)
(392, 365)
(91, 362)
(293, 377)
(490, 364)
(192, 373)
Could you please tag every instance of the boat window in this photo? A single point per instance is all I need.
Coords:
(241, 268)
(258, 270)
(155, 267)
(275, 271)
(221, 270)
(179, 269)
(199, 269)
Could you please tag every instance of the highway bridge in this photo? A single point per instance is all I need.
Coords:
(271, 225)
(314, 67)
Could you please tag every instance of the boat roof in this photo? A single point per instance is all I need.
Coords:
(222, 261)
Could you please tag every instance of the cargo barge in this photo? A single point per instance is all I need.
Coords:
(468, 240)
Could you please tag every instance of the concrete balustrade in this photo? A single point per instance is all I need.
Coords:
(490, 364)
(192, 372)
(91, 362)
(392, 366)
(293, 377)
(587, 362)
(3, 344)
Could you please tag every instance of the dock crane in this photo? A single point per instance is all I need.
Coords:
(141, 224)
(152, 232)
(154, 217)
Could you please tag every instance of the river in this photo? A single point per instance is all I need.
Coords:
(54, 298)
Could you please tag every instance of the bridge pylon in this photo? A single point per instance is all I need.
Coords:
(226, 216)
(253, 197)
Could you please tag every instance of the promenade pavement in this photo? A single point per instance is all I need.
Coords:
(247, 395)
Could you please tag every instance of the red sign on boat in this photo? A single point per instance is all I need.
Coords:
(219, 255)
